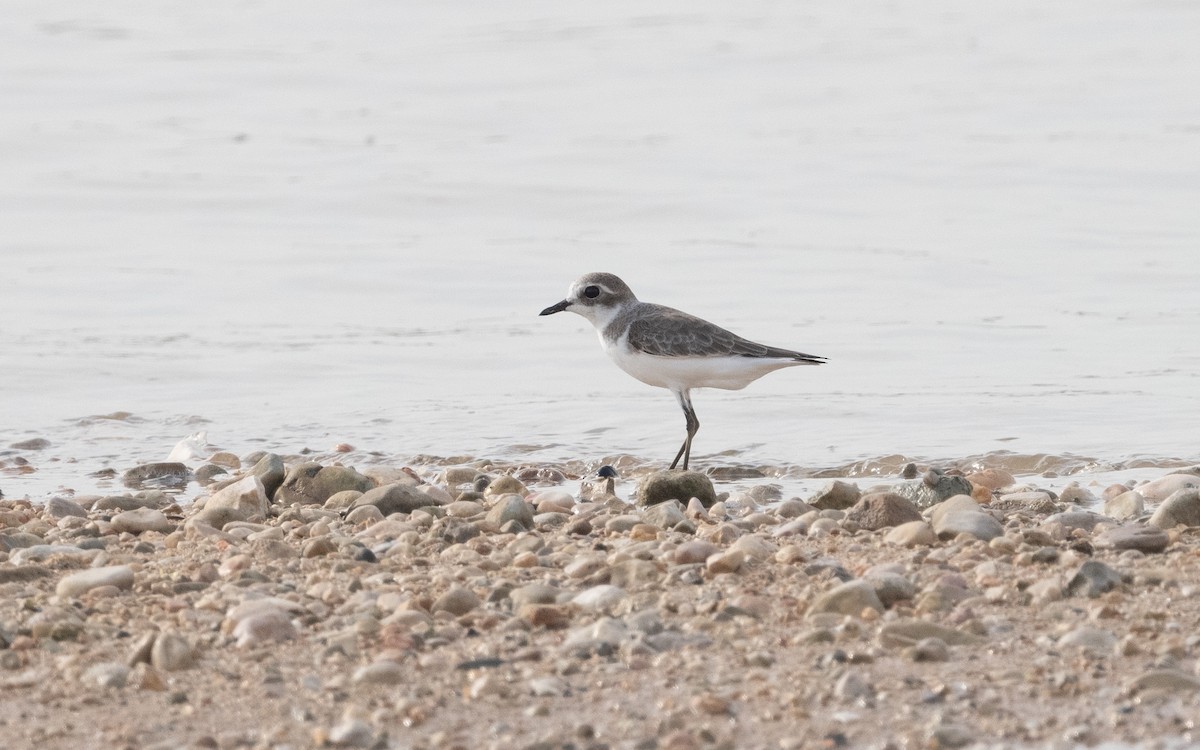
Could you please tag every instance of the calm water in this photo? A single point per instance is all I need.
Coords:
(293, 225)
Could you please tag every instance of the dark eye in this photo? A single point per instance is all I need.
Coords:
(592, 292)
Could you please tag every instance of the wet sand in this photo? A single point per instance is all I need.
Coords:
(485, 606)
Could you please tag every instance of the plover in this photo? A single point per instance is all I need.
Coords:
(664, 347)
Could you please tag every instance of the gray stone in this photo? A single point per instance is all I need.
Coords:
(976, 523)
(912, 534)
(634, 574)
(107, 675)
(246, 495)
(456, 601)
(676, 484)
(891, 587)
(1165, 486)
(23, 573)
(601, 598)
(1149, 539)
(312, 484)
(342, 500)
(141, 520)
(1126, 505)
(880, 510)
(79, 583)
(172, 652)
(127, 502)
(208, 473)
(904, 633)
(1169, 681)
(1181, 508)
(61, 507)
(395, 498)
(1033, 501)
(930, 649)
(32, 444)
(849, 598)
(533, 593)
(1093, 640)
(271, 471)
(951, 504)
(216, 517)
(505, 485)
(382, 672)
(351, 732)
(1074, 493)
(933, 489)
(510, 508)
(836, 495)
(694, 552)
(1093, 579)
(1077, 519)
(665, 515)
(162, 474)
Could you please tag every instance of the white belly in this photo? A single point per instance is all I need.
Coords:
(682, 373)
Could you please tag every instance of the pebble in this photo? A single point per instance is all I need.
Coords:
(269, 625)
(931, 490)
(1093, 579)
(247, 497)
(1168, 681)
(381, 672)
(694, 552)
(850, 598)
(1182, 507)
(1157, 490)
(61, 507)
(991, 478)
(506, 485)
(163, 474)
(1030, 502)
(351, 733)
(364, 515)
(142, 520)
(1124, 506)
(172, 652)
(836, 495)
(912, 534)
(107, 675)
(902, 633)
(601, 598)
(398, 497)
(77, 584)
(879, 510)
(457, 601)
(973, 522)
(1095, 641)
(313, 484)
(929, 649)
(549, 687)
(676, 484)
(510, 508)
(1141, 538)
(665, 515)
(724, 561)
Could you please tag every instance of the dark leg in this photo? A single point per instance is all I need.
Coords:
(693, 426)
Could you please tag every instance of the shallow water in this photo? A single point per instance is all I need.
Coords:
(292, 227)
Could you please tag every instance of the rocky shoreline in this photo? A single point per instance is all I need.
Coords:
(303, 604)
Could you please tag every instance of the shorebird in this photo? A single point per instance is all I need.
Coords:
(667, 348)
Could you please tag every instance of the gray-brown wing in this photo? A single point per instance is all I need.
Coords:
(667, 332)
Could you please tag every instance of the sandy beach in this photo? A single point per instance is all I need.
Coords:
(299, 602)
